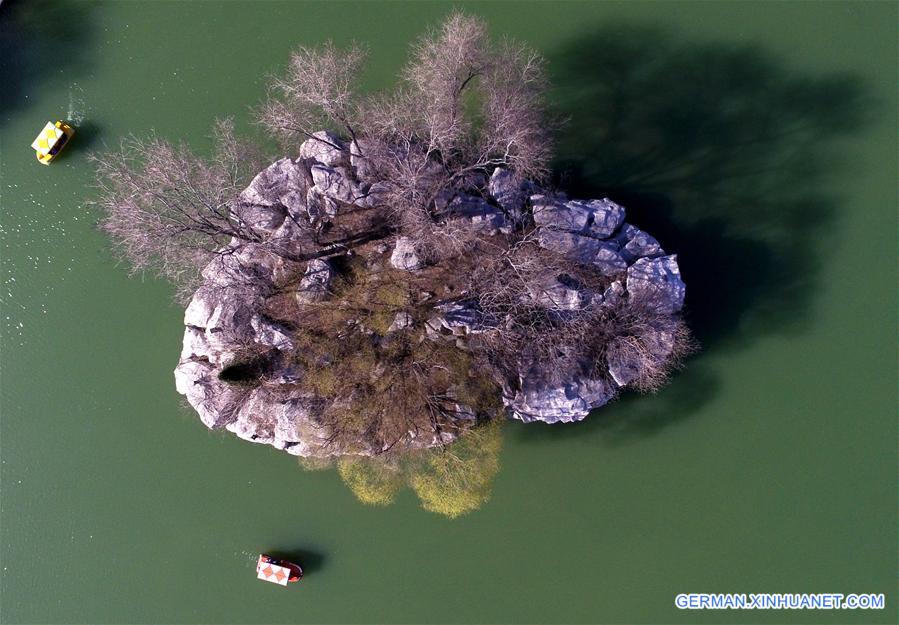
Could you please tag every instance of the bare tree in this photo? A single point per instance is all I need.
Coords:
(169, 211)
(464, 107)
(316, 91)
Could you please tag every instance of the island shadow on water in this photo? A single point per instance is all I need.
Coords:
(39, 42)
(724, 154)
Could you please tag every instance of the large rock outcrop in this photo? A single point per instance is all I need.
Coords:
(224, 326)
(594, 232)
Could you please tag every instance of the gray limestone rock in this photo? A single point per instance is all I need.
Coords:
(228, 326)
(213, 400)
(263, 219)
(557, 292)
(288, 238)
(195, 346)
(540, 400)
(577, 247)
(254, 420)
(608, 259)
(225, 321)
(510, 192)
(372, 195)
(550, 212)
(612, 296)
(294, 202)
(636, 244)
(606, 216)
(478, 214)
(592, 218)
(273, 182)
(319, 207)
(359, 160)
(271, 334)
(404, 255)
(249, 266)
(656, 282)
(326, 148)
(334, 183)
(284, 419)
(316, 282)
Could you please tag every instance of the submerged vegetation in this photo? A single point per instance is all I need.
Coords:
(386, 295)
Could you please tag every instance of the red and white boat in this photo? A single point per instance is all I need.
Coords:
(281, 572)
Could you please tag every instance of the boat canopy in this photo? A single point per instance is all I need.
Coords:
(273, 573)
(47, 139)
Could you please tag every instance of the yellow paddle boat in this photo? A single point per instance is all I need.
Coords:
(51, 141)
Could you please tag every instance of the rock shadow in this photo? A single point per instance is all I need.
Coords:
(40, 41)
(726, 155)
(631, 417)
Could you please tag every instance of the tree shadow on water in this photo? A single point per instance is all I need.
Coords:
(727, 156)
(41, 41)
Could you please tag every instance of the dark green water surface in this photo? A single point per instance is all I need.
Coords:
(757, 140)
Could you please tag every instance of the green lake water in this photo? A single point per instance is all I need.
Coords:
(756, 140)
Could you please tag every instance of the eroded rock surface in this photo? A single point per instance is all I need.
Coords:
(275, 182)
(510, 192)
(656, 282)
(478, 214)
(326, 148)
(539, 399)
(404, 255)
(316, 282)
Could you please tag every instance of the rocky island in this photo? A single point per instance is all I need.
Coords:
(397, 284)
(225, 321)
